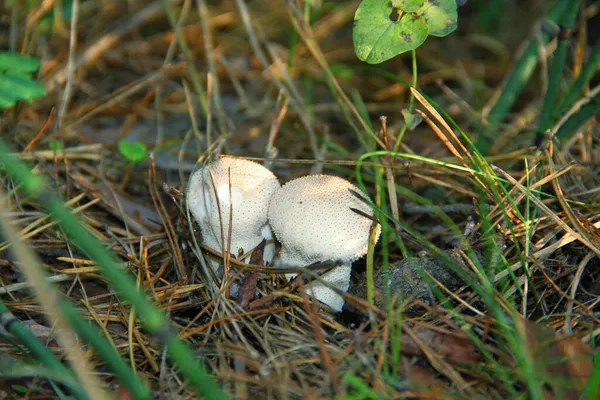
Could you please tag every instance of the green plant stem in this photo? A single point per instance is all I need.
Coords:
(380, 188)
(411, 100)
(516, 79)
(37, 348)
(576, 89)
(567, 21)
(592, 387)
(152, 318)
(108, 353)
(588, 110)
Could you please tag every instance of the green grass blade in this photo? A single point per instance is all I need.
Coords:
(152, 318)
(108, 354)
(576, 89)
(37, 348)
(558, 63)
(588, 110)
(518, 77)
(11, 367)
(592, 387)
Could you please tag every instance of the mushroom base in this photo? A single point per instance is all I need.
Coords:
(339, 277)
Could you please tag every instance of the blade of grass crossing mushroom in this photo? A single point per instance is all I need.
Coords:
(152, 318)
(373, 239)
(37, 348)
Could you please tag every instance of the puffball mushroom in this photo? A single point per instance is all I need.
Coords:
(245, 188)
(312, 218)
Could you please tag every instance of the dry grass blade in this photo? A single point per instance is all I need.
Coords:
(284, 88)
(31, 266)
(544, 253)
(97, 49)
(445, 125)
(578, 236)
(296, 103)
(166, 221)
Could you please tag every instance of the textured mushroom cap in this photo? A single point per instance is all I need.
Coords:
(252, 186)
(312, 219)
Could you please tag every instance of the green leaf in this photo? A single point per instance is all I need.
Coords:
(15, 87)
(20, 87)
(408, 5)
(11, 367)
(133, 151)
(7, 100)
(378, 38)
(17, 62)
(441, 16)
(19, 388)
(54, 144)
(412, 120)
(342, 71)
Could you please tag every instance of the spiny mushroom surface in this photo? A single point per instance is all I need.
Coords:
(242, 186)
(312, 218)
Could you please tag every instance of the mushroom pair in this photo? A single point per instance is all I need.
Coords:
(315, 218)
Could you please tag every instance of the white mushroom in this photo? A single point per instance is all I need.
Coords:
(312, 218)
(245, 188)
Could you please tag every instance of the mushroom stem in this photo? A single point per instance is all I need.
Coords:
(338, 277)
(321, 218)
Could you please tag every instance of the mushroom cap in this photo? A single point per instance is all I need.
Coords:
(312, 219)
(252, 186)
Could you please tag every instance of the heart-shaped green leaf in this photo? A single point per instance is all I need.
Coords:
(407, 5)
(378, 38)
(133, 151)
(441, 16)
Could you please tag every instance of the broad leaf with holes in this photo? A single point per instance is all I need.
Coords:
(386, 28)
(382, 31)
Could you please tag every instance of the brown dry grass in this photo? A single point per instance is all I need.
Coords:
(127, 77)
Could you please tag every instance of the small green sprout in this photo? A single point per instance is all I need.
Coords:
(133, 152)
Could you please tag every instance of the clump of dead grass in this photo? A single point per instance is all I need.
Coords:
(268, 99)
